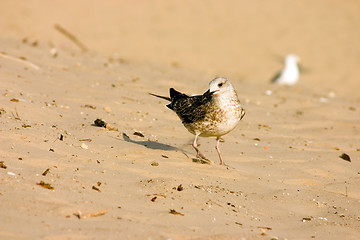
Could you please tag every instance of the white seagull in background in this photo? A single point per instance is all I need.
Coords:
(290, 74)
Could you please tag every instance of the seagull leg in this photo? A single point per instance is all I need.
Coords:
(218, 150)
(198, 153)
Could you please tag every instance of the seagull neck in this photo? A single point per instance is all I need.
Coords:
(225, 96)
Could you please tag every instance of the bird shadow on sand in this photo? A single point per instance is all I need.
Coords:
(165, 147)
(150, 144)
(201, 161)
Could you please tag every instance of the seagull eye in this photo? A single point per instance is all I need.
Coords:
(220, 84)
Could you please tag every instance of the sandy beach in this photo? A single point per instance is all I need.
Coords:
(64, 65)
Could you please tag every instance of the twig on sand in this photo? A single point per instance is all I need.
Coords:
(71, 37)
(346, 192)
(19, 60)
(16, 117)
(89, 215)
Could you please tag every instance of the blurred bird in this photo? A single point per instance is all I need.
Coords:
(290, 74)
(213, 114)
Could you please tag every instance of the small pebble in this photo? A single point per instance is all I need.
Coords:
(84, 146)
(107, 109)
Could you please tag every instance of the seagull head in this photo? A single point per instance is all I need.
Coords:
(220, 85)
(292, 59)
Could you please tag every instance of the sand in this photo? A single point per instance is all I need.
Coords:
(138, 177)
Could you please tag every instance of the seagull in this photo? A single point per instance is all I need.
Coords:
(212, 114)
(290, 74)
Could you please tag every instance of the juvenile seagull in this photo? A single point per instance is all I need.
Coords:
(290, 74)
(213, 114)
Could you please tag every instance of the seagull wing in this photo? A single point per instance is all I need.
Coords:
(276, 77)
(191, 109)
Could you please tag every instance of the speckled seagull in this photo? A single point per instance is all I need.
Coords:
(213, 114)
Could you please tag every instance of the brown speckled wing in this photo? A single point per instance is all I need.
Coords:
(190, 109)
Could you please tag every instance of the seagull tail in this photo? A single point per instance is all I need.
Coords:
(166, 98)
